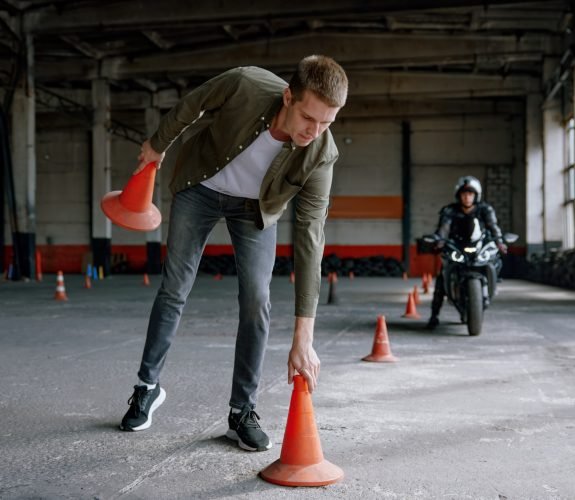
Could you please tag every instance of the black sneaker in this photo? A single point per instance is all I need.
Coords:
(143, 403)
(244, 429)
(432, 323)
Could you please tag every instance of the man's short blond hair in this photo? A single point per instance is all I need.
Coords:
(322, 76)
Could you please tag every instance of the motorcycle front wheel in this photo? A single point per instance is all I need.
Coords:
(474, 307)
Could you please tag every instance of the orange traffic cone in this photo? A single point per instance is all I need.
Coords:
(410, 309)
(381, 351)
(87, 281)
(132, 208)
(404, 275)
(39, 275)
(301, 462)
(218, 277)
(292, 277)
(146, 281)
(351, 275)
(425, 283)
(60, 288)
(416, 295)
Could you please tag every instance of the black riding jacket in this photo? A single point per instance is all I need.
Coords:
(453, 213)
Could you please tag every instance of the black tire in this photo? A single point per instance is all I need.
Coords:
(474, 307)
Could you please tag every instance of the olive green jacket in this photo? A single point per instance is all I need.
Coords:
(242, 103)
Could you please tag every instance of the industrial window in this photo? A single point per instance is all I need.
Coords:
(570, 186)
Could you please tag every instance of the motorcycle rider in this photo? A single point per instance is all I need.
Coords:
(468, 204)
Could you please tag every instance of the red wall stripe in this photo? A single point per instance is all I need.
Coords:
(73, 258)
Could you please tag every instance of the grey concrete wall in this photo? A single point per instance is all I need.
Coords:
(443, 148)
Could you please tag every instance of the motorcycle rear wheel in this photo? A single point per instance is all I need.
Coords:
(474, 307)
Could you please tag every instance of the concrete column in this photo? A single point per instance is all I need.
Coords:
(24, 164)
(101, 174)
(154, 238)
(553, 166)
(534, 170)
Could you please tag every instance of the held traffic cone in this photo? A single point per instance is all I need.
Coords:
(410, 309)
(132, 208)
(146, 281)
(60, 288)
(381, 351)
(301, 462)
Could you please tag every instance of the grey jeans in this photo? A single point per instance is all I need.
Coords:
(194, 214)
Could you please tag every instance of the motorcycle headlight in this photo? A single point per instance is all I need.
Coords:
(457, 256)
(486, 254)
(470, 249)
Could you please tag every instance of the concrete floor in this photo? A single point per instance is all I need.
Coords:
(457, 417)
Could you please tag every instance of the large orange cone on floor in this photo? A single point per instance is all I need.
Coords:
(132, 208)
(410, 309)
(381, 351)
(301, 462)
(60, 288)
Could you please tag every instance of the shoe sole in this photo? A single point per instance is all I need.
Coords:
(233, 435)
(155, 405)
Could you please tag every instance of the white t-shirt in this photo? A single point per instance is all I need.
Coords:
(243, 176)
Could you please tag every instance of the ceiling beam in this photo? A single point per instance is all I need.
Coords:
(157, 39)
(81, 46)
(352, 51)
(79, 16)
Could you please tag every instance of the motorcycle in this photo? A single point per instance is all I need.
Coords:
(470, 267)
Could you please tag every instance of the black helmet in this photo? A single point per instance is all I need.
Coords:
(468, 183)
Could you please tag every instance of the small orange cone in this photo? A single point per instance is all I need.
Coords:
(381, 351)
(351, 275)
(87, 281)
(146, 281)
(410, 309)
(301, 462)
(292, 277)
(132, 208)
(425, 283)
(39, 275)
(404, 275)
(60, 288)
(416, 295)
(218, 277)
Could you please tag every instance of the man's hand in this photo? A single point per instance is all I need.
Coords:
(148, 155)
(302, 356)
